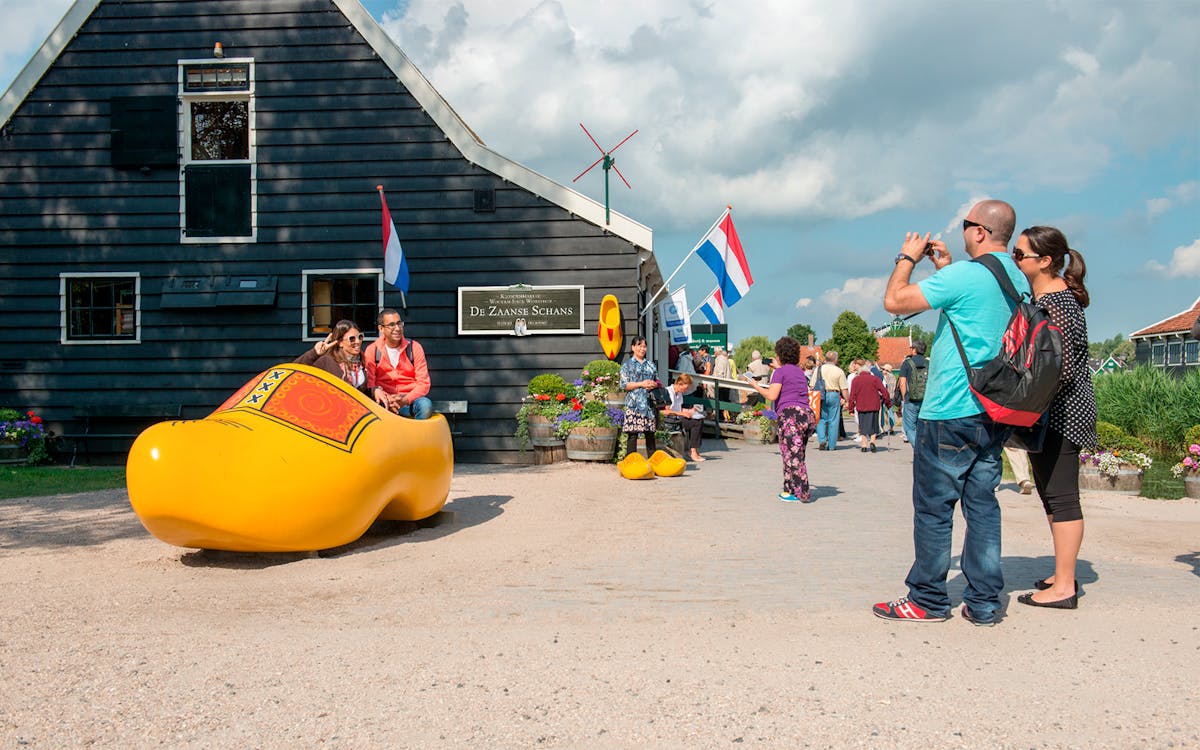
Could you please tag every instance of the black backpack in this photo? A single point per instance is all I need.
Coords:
(915, 383)
(1018, 385)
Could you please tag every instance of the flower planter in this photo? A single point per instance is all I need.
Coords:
(752, 433)
(1127, 480)
(13, 453)
(541, 433)
(1191, 486)
(615, 400)
(592, 443)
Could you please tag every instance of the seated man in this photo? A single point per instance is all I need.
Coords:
(396, 371)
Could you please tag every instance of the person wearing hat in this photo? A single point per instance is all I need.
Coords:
(396, 370)
(722, 368)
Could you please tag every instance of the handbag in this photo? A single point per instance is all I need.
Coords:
(659, 398)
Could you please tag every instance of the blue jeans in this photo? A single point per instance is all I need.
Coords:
(908, 415)
(421, 408)
(957, 459)
(827, 428)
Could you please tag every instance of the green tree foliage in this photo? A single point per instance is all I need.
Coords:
(851, 339)
(1120, 346)
(801, 332)
(917, 333)
(741, 352)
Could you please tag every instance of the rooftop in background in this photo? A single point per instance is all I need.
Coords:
(1179, 323)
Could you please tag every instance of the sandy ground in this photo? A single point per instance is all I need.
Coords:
(562, 606)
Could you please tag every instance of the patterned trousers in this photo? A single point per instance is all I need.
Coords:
(796, 426)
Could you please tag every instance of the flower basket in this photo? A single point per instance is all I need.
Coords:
(541, 432)
(13, 453)
(546, 401)
(1113, 471)
(592, 443)
(22, 438)
(758, 426)
(1191, 486)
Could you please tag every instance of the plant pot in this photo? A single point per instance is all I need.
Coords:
(1191, 486)
(592, 443)
(615, 400)
(753, 433)
(1128, 480)
(13, 453)
(541, 433)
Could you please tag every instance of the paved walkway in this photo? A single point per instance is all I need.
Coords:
(562, 606)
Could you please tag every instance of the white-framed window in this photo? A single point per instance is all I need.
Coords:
(1175, 353)
(218, 172)
(1158, 354)
(100, 308)
(334, 294)
(1191, 352)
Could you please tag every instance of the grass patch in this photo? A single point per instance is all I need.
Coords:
(34, 481)
(1157, 482)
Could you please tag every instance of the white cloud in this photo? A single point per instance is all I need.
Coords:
(1184, 263)
(863, 295)
(803, 302)
(1178, 195)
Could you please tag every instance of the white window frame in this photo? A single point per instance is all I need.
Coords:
(1191, 352)
(186, 99)
(64, 325)
(1174, 353)
(335, 272)
(1157, 348)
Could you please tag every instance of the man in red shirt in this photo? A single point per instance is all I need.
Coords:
(396, 371)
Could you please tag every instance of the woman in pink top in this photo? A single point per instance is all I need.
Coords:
(789, 391)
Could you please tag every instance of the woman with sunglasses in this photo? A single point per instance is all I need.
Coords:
(340, 354)
(1055, 273)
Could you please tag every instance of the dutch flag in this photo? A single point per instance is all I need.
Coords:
(395, 267)
(721, 251)
(712, 309)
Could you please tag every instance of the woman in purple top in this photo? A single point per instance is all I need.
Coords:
(789, 391)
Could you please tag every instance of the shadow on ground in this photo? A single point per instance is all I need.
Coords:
(75, 520)
(458, 514)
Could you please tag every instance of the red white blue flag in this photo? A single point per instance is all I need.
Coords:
(712, 309)
(721, 251)
(395, 267)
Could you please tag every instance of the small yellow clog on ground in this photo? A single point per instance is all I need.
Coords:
(634, 466)
(666, 465)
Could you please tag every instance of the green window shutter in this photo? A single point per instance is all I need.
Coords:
(218, 200)
(143, 132)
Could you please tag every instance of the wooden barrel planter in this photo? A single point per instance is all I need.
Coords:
(541, 433)
(13, 453)
(592, 443)
(752, 433)
(1191, 486)
(1128, 480)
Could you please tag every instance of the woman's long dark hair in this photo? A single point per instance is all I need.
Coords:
(1051, 243)
(339, 331)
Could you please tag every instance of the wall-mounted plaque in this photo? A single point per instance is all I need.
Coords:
(519, 310)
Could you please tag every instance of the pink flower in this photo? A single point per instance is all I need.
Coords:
(1194, 449)
(1188, 462)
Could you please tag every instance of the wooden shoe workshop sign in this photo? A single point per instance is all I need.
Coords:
(519, 310)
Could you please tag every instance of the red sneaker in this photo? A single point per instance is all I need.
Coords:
(907, 611)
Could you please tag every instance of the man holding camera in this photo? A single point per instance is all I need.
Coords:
(957, 451)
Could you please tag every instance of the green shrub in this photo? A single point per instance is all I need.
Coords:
(1150, 403)
(547, 384)
(1111, 437)
(1191, 437)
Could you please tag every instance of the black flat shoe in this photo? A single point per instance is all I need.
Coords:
(1041, 585)
(1071, 602)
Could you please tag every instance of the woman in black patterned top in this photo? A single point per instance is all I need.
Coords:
(1055, 273)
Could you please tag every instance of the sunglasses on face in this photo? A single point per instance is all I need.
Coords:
(1020, 255)
(967, 224)
(352, 339)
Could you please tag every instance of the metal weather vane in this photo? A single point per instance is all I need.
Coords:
(606, 159)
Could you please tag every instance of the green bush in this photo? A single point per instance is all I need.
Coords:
(1191, 437)
(1150, 403)
(547, 384)
(1111, 437)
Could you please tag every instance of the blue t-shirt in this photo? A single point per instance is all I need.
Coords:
(793, 387)
(969, 294)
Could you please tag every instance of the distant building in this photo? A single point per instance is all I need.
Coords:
(893, 350)
(1108, 364)
(1170, 343)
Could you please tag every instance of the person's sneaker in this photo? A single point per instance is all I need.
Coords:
(966, 615)
(905, 610)
(1026, 487)
(788, 497)
(904, 437)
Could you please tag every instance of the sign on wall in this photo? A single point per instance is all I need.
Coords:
(519, 310)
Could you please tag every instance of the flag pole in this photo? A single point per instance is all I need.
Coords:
(667, 284)
(706, 299)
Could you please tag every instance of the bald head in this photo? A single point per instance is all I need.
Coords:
(999, 217)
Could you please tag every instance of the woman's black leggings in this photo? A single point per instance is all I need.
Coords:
(1056, 474)
(631, 442)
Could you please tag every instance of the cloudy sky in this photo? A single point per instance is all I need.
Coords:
(834, 127)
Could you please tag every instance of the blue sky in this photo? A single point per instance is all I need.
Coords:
(835, 128)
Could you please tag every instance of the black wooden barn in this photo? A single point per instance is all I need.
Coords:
(175, 218)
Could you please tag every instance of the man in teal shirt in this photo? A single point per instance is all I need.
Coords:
(957, 454)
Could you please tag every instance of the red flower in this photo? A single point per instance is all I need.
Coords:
(576, 405)
(542, 397)
(35, 420)
(561, 397)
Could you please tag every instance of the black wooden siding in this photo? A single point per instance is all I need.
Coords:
(331, 123)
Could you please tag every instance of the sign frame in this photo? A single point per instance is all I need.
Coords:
(517, 296)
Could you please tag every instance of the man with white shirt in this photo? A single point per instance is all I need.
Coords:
(396, 371)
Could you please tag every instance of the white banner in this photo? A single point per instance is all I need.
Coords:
(675, 320)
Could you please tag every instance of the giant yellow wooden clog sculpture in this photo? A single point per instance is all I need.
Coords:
(609, 330)
(296, 460)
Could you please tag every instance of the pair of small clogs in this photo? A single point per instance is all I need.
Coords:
(660, 463)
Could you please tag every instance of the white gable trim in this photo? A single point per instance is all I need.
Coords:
(1140, 335)
(470, 145)
(408, 75)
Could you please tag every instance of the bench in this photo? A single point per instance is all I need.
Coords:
(451, 409)
(90, 415)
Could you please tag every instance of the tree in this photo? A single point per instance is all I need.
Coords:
(917, 333)
(852, 339)
(801, 332)
(741, 352)
(1119, 346)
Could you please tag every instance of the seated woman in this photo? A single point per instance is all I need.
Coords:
(340, 354)
(689, 422)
